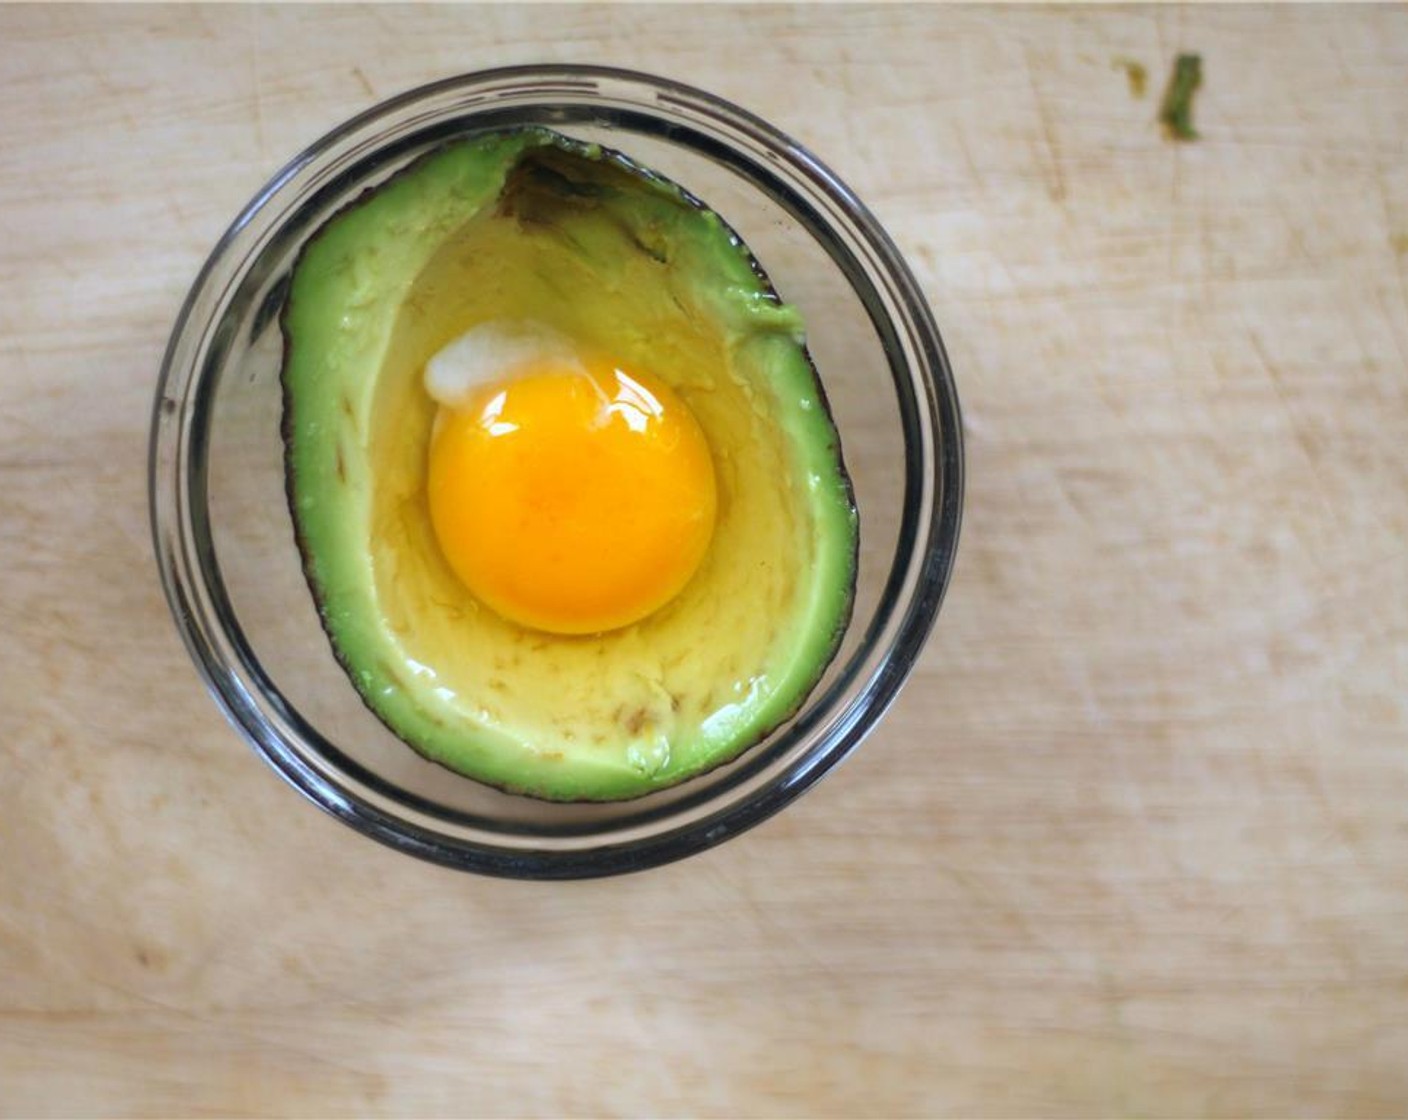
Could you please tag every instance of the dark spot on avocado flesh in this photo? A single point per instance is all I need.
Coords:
(543, 187)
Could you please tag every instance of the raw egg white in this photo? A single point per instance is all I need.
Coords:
(494, 351)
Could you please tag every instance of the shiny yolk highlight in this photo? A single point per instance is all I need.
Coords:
(573, 501)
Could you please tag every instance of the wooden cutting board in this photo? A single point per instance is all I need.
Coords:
(1135, 839)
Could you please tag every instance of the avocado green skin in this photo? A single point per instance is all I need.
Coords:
(348, 290)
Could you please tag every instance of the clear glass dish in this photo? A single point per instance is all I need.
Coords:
(224, 540)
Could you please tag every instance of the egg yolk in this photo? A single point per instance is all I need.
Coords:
(572, 500)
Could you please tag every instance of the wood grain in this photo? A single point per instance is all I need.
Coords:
(1135, 839)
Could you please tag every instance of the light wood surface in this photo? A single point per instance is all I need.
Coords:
(1134, 840)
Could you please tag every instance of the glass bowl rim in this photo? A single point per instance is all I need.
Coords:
(929, 560)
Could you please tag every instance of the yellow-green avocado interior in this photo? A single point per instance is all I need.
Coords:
(531, 225)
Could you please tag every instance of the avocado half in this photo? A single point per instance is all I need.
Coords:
(531, 225)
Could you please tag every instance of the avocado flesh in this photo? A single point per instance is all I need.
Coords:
(529, 225)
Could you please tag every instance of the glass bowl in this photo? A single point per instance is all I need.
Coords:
(224, 539)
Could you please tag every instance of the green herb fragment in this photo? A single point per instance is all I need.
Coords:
(1176, 112)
